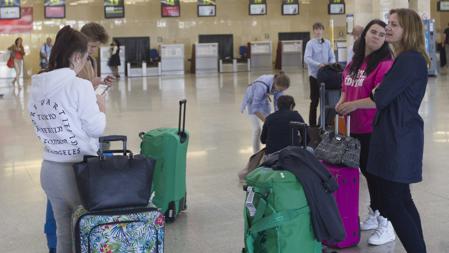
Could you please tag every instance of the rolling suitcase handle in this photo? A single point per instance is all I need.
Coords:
(322, 106)
(182, 117)
(111, 138)
(299, 125)
(348, 124)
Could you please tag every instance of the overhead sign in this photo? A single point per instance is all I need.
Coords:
(9, 9)
(170, 8)
(114, 9)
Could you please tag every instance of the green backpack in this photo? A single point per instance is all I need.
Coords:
(276, 213)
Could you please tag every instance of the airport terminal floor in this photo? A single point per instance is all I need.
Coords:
(219, 147)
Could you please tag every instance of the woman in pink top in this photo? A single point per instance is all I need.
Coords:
(371, 61)
(17, 53)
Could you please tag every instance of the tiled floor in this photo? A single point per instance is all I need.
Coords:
(219, 147)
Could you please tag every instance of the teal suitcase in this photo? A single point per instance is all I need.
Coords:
(168, 146)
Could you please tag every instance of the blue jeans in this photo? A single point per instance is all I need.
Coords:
(50, 227)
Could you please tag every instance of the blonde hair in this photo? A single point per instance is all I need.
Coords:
(413, 35)
(282, 79)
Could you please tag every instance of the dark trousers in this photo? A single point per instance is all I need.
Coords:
(315, 99)
(396, 203)
(364, 151)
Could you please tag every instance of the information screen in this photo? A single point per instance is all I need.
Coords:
(443, 6)
(10, 12)
(290, 9)
(54, 11)
(336, 9)
(206, 11)
(170, 8)
(114, 11)
(257, 9)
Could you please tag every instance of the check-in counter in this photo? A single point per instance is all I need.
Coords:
(206, 58)
(172, 59)
(291, 54)
(261, 55)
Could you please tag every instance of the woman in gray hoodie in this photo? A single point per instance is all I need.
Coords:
(68, 118)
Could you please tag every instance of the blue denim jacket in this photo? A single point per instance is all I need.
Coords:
(257, 99)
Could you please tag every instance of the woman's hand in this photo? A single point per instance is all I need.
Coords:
(346, 108)
(101, 101)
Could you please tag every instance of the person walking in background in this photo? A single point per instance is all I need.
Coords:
(73, 130)
(114, 60)
(276, 131)
(17, 52)
(257, 101)
(397, 143)
(318, 53)
(372, 60)
(45, 54)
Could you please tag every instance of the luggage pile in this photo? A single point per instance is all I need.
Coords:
(127, 198)
(278, 214)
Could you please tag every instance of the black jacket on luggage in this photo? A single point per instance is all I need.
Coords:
(318, 186)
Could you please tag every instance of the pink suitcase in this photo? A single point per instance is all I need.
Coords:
(347, 198)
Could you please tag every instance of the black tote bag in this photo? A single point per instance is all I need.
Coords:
(114, 181)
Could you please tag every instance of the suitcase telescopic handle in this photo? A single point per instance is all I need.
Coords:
(296, 125)
(182, 120)
(348, 124)
(111, 138)
(322, 106)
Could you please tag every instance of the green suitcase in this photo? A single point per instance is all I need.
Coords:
(168, 146)
(276, 214)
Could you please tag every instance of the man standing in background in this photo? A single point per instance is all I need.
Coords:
(318, 53)
(45, 54)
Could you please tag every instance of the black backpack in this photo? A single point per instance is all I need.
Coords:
(331, 76)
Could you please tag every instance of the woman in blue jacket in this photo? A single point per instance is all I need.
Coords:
(257, 101)
(396, 149)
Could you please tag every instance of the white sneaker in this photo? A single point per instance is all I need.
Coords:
(371, 221)
(383, 234)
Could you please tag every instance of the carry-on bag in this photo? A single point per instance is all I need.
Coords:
(114, 181)
(119, 230)
(339, 149)
(254, 161)
(347, 195)
(276, 213)
(168, 146)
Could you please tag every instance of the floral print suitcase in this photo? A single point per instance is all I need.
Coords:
(132, 230)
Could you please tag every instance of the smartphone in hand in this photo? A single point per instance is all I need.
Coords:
(101, 89)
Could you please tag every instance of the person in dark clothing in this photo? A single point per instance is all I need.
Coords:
(396, 150)
(276, 132)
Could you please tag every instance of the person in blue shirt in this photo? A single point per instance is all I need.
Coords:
(257, 101)
(397, 142)
(318, 53)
